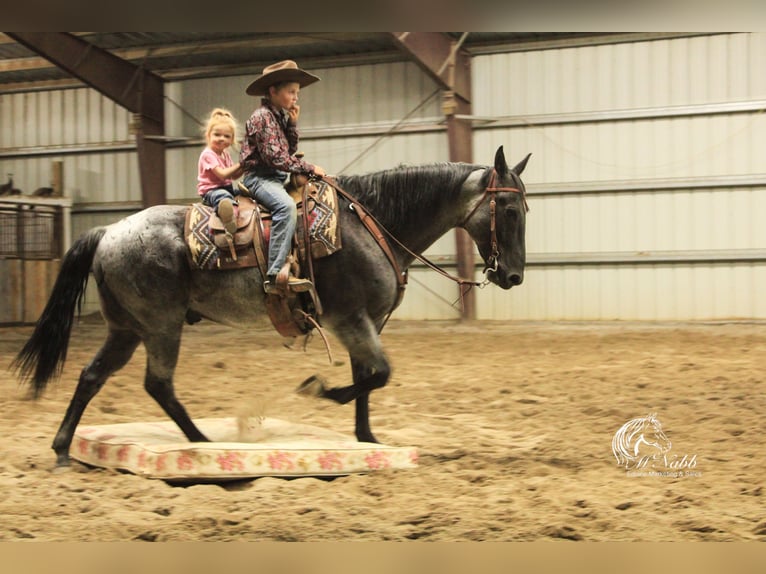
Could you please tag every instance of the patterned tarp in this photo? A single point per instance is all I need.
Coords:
(241, 449)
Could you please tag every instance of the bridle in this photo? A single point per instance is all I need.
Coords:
(492, 191)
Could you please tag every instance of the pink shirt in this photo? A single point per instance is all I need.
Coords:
(206, 178)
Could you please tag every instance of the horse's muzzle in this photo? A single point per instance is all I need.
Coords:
(506, 280)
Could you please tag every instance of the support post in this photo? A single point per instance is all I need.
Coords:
(459, 136)
(57, 178)
(441, 58)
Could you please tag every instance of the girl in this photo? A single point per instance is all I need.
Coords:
(268, 158)
(216, 169)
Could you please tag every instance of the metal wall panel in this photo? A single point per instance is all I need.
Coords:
(347, 96)
(60, 118)
(88, 178)
(724, 67)
(688, 149)
(77, 126)
(698, 146)
(368, 98)
(680, 220)
(632, 292)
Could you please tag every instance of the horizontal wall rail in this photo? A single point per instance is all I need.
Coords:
(624, 258)
(424, 126)
(648, 185)
(727, 108)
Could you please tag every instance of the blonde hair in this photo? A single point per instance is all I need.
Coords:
(221, 116)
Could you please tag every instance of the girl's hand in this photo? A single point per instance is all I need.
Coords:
(293, 113)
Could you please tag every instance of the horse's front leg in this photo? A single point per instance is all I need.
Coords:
(362, 419)
(370, 370)
(367, 378)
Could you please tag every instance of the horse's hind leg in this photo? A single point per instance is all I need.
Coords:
(162, 356)
(113, 355)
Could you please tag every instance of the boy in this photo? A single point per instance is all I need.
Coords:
(267, 158)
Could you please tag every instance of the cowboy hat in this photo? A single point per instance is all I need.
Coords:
(284, 71)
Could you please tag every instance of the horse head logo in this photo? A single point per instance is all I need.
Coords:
(638, 438)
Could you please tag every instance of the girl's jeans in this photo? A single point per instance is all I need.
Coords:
(213, 197)
(268, 188)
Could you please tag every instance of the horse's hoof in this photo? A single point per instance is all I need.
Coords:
(61, 468)
(314, 386)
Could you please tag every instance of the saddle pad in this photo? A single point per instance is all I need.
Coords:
(202, 251)
(271, 447)
(323, 221)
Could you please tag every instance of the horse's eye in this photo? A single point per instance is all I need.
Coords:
(511, 211)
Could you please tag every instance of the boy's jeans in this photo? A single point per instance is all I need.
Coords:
(269, 190)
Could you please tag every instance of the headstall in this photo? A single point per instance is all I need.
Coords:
(492, 191)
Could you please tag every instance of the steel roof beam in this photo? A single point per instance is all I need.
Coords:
(133, 87)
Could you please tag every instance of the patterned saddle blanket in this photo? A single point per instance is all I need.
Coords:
(209, 250)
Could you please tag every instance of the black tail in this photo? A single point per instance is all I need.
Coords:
(43, 356)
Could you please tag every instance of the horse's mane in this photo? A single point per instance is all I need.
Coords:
(393, 194)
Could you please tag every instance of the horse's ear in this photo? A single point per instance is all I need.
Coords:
(500, 164)
(521, 165)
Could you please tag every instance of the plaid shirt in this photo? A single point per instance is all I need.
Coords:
(270, 141)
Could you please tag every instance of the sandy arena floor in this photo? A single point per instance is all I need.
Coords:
(514, 423)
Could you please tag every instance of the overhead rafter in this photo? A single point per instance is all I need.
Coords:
(441, 58)
(171, 50)
(134, 88)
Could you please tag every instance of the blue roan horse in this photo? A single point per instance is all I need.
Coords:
(147, 286)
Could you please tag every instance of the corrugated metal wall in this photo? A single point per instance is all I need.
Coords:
(645, 183)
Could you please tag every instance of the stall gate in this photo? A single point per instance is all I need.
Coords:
(34, 234)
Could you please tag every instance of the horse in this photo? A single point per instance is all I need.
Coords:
(636, 436)
(147, 286)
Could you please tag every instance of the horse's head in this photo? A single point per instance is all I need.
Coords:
(497, 223)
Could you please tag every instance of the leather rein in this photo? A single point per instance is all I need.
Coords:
(377, 230)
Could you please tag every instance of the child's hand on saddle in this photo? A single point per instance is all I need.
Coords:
(319, 172)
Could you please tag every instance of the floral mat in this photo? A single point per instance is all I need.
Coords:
(240, 448)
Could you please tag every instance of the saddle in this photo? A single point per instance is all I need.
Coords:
(317, 235)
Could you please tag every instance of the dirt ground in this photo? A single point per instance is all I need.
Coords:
(513, 422)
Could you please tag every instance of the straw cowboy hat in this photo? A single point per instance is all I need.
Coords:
(284, 71)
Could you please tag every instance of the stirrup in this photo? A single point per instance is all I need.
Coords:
(293, 284)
